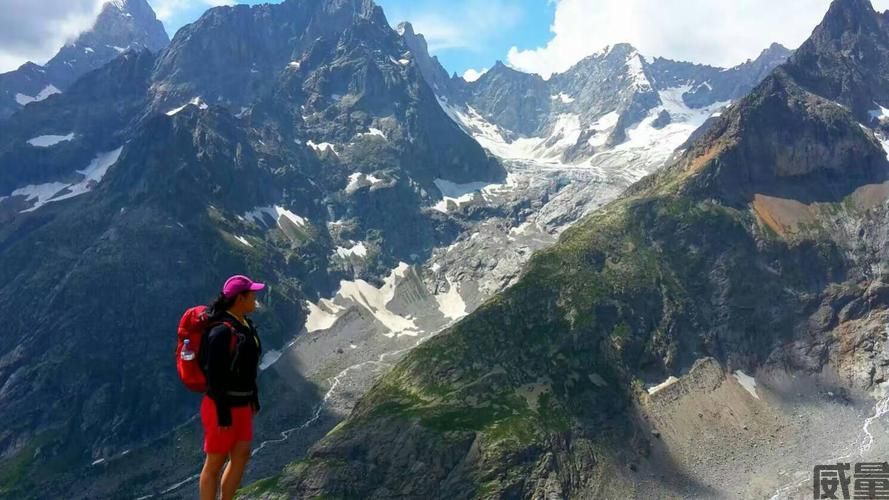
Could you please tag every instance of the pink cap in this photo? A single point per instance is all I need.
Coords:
(240, 283)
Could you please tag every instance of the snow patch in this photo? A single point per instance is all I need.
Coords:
(92, 174)
(269, 358)
(884, 141)
(747, 382)
(451, 303)
(523, 228)
(323, 315)
(373, 132)
(44, 141)
(648, 147)
(636, 72)
(321, 146)
(293, 64)
(277, 213)
(360, 180)
(663, 385)
(358, 250)
(565, 98)
(41, 194)
(375, 300)
(457, 193)
(880, 113)
(602, 128)
(565, 132)
(196, 101)
(47, 91)
(243, 240)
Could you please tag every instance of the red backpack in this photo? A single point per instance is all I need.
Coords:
(192, 326)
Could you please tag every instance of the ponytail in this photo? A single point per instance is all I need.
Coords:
(220, 304)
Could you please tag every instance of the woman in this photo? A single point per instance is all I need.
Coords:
(230, 356)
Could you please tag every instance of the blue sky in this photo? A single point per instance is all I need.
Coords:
(462, 33)
(546, 36)
(474, 34)
(539, 36)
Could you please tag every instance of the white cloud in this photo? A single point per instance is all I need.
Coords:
(458, 24)
(721, 33)
(471, 75)
(35, 31)
(166, 10)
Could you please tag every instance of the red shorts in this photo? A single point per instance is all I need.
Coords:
(222, 440)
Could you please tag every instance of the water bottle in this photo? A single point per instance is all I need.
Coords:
(186, 353)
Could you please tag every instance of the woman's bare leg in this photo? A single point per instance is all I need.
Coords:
(231, 477)
(210, 475)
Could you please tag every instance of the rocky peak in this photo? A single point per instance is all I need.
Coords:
(406, 29)
(232, 54)
(847, 58)
(617, 78)
(810, 131)
(768, 59)
(432, 70)
(783, 141)
(120, 26)
(365, 9)
(620, 51)
(515, 100)
(847, 18)
(501, 69)
(775, 51)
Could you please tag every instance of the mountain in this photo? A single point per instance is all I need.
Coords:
(556, 176)
(273, 140)
(619, 365)
(120, 26)
(500, 224)
(613, 98)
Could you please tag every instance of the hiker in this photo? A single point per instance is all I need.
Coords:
(230, 359)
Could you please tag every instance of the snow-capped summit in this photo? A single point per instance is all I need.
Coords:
(616, 96)
(120, 26)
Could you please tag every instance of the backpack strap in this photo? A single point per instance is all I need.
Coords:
(232, 330)
(233, 343)
(234, 339)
